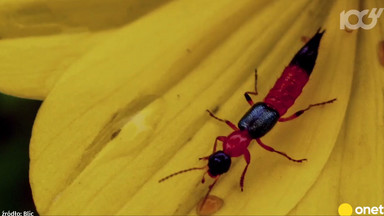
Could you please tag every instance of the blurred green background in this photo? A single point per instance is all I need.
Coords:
(16, 121)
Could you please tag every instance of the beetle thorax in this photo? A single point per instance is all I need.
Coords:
(237, 143)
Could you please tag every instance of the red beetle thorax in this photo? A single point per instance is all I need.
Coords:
(237, 143)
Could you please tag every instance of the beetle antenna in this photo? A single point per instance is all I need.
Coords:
(182, 171)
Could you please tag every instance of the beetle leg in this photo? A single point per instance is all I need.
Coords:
(247, 157)
(298, 113)
(230, 124)
(246, 94)
(268, 148)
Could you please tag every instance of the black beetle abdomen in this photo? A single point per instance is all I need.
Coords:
(259, 120)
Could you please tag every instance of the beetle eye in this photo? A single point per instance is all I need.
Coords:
(218, 163)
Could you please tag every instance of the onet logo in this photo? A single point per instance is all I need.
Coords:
(346, 209)
(344, 18)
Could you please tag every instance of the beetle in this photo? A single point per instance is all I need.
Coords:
(263, 116)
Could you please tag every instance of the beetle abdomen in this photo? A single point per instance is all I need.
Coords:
(259, 120)
(287, 88)
(290, 84)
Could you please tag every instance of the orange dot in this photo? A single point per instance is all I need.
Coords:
(348, 30)
(211, 205)
(304, 39)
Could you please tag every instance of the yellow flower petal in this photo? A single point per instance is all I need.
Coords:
(31, 66)
(132, 111)
(40, 40)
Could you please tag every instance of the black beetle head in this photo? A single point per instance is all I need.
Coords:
(218, 163)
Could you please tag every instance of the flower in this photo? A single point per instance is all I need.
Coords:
(128, 108)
